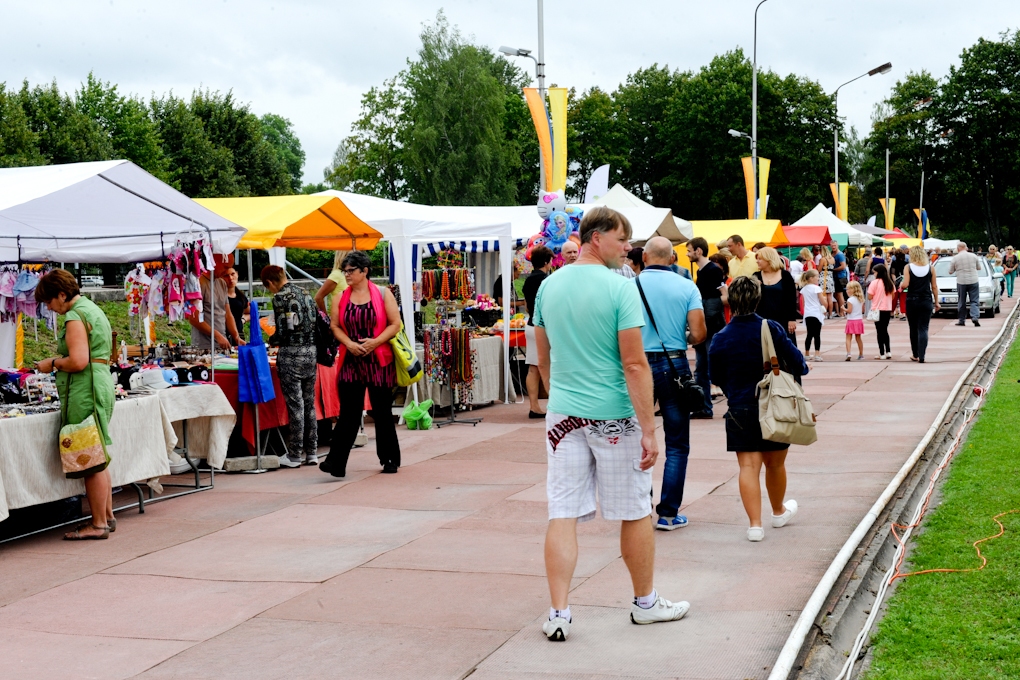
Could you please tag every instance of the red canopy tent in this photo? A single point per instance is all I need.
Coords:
(897, 233)
(807, 236)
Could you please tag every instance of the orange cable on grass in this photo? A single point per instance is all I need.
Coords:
(976, 544)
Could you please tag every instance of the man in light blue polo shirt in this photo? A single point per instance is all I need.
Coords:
(675, 303)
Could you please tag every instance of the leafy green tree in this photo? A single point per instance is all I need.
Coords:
(198, 167)
(232, 126)
(520, 142)
(19, 145)
(126, 123)
(280, 133)
(641, 104)
(903, 123)
(65, 134)
(370, 160)
(453, 141)
(978, 133)
(594, 138)
(314, 188)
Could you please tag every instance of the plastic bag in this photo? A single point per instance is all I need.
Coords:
(416, 415)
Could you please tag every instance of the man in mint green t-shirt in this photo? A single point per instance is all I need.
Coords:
(600, 424)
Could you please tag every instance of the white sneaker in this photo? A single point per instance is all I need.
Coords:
(287, 461)
(789, 510)
(312, 459)
(662, 610)
(755, 534)
(556, 629)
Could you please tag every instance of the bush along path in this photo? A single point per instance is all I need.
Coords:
(965, 623)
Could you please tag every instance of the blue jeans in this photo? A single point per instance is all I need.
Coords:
(676, 423)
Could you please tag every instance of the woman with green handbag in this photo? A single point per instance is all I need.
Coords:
(86, 394)
(364, 319)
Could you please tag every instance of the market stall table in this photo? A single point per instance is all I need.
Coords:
(273, 414)
(488, 385)
(203, 416)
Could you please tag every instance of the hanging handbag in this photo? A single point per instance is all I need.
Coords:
(82, 446)
(254, 376)
(784, 412)
(326, 345)
(874, 314)
(692, 397)
(406, 361)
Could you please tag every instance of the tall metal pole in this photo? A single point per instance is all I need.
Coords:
(887, 189)
(835, 136)
(540, 73)
(920, 208)
(754, 111)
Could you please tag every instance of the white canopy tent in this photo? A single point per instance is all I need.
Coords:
(939, 244)
(105, 211)
(406, 225)
(820, 216)
(647, 220)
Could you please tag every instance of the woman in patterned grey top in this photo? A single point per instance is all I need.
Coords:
(295, 314)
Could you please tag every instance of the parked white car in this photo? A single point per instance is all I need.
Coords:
(989, 288)
(91, 281)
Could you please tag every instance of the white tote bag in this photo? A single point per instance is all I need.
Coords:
(785, 413)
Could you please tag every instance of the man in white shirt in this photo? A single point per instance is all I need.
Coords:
(967, 267)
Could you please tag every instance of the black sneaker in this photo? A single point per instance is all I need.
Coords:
(389, 469)
(976, 322)
(701, 415)
(533, 415)
(961, 323)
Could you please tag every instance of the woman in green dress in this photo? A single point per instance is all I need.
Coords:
(84, 384)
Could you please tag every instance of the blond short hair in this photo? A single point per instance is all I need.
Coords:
(771, 255)
(918, 256)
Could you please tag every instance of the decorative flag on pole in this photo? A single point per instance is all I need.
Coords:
(763, 184)
(543, 127)
(558, 113)
(598, 184)
(923, 227)
(889, 211)
(841, 198)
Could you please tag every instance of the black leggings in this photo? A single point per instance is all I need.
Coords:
(882, 331)
(814, 330)
(352, 400)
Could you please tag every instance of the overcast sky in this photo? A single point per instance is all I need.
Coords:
(311, 61)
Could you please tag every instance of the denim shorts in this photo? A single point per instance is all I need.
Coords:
(743, 431)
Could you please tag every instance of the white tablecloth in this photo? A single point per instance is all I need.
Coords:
(210, 419)
(143, 433)
(30, 471)
(489, 377)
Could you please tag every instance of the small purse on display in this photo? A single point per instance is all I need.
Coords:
(82, 447)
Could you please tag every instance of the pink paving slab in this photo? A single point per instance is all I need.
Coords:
(23, 574)
(32, 655)
(179, 609)
(275, 648)
(404, 493)
(604, 641)
(444, 599)
(300, 543)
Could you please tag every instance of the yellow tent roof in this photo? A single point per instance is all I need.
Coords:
(313, 222)
(752, 231)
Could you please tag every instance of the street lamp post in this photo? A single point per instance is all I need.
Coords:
(754, 110)
(539, 74)
(883, 69)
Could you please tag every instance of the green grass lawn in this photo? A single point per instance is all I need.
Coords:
(116, 312)
(965, 625)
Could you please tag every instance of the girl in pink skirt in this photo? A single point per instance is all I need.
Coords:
(854, 310)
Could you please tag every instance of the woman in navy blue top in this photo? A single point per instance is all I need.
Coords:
(735, 364)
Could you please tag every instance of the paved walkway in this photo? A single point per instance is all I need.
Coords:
(438, 570)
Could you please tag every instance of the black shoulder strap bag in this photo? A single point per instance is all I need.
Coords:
(692, 397)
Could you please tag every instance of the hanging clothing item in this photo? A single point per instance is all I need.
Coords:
(136, 291)
(156, 304)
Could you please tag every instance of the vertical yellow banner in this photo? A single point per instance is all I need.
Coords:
(763, 185)
(841, 198)
(19, 344)
(889, 211)
(541, 120)
(749, 185)
(558, 113)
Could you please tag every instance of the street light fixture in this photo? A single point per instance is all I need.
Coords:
(878, 70)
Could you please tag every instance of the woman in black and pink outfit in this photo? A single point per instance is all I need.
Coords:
(364, 319)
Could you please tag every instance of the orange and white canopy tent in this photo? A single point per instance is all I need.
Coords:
(311, 222)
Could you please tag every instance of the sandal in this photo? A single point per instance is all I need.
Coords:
(913, 358)
(112, 523)
(76, 535)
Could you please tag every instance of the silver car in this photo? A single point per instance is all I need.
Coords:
(989, 287)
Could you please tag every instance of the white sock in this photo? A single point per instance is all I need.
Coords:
(559, 613)
(647, 601)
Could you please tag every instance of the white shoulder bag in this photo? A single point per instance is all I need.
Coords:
(785, 413)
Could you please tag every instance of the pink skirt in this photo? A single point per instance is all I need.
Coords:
(855, 327)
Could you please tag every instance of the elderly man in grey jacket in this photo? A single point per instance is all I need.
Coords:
(967, 268)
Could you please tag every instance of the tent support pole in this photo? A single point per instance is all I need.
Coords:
(258, 432)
